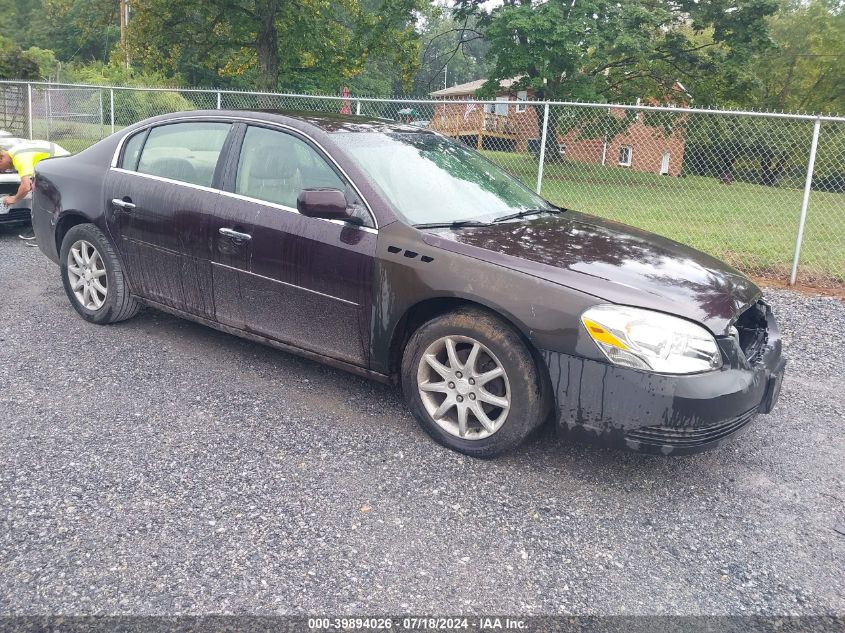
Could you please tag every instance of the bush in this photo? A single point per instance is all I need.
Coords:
(18, 64)
(832, 183)
(130, 106)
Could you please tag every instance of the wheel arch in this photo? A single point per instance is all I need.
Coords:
(66, 222)
(425, 310)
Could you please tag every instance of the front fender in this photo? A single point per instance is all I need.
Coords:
(409, 272)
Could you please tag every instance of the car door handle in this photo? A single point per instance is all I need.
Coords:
(235, 235)
(123, 204)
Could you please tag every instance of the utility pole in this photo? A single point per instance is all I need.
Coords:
(445, 72)
(124, 21)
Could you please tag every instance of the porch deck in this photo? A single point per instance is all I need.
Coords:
(475, 124)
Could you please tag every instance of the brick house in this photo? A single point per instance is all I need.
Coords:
(639, 147)
(508, 126)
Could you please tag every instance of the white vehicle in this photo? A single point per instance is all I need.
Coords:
(9, 183)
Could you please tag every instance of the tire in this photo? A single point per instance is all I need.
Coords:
(116, 304)
(427, 389)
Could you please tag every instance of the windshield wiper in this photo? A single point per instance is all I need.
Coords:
(522, 214)
(458, 224)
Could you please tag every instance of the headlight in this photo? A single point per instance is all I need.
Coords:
(652, 341)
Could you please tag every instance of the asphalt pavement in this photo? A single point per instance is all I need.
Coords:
(158, 466)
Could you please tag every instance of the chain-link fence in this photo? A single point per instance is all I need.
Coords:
(763, 191)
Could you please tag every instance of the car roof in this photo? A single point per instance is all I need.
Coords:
(333, 122)
(327, 122)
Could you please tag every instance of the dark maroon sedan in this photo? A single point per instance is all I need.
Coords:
(398, 254)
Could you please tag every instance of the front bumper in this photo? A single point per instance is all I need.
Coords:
(15, 216)
(666, 414)
(20, 211)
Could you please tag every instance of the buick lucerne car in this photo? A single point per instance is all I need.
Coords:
(396, 253)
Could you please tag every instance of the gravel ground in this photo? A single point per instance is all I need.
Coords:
(158, 466)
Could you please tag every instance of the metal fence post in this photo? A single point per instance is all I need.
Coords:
(543, 148)
(102, 118)
(29, 107)
(219, 99)
(48, 111)
(358, 108)
(111, 102)
(808, 185)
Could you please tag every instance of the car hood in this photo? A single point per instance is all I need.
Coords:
(612, 261)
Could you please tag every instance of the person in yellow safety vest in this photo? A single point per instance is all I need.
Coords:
(24, 157)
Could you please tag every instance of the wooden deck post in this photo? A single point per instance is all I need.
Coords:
(481, 130)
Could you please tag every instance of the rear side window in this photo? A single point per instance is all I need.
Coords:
(187, 152)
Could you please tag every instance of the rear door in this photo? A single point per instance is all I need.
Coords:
(160, 199)
(304, 281)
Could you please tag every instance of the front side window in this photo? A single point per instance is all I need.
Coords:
(276, 167)
(429, 178)
(626, 155)
(187, 152)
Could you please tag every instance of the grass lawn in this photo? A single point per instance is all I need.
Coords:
(753, 227)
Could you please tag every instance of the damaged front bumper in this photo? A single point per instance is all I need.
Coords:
(19, 211)
(668, 414)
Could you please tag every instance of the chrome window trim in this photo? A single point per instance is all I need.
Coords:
(284, 283)
(275, 205)
(164, 179)
(284, 207)
(238, 196)
(234, 119)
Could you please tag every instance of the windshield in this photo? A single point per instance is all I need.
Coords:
(430, 179)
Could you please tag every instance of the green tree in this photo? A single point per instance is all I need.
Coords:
(806, 69)
(621, 50)
(20, 21)
(453, 51)
(79, 29)
(269, 44)
(75, 30)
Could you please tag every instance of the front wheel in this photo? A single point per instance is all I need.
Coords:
(472, 384)
(93, 277)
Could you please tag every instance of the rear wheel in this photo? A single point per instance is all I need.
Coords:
(472, 384)
(93, 277)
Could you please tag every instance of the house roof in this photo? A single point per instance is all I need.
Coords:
(470, 87)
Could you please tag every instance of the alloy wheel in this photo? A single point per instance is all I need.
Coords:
(464, 387)
(86, 273)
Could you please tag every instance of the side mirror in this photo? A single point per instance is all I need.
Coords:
(323, 203)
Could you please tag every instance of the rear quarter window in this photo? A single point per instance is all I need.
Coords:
(187, 152)
(132, 151)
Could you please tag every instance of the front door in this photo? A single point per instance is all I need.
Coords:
(160, 199)
(303, 281)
